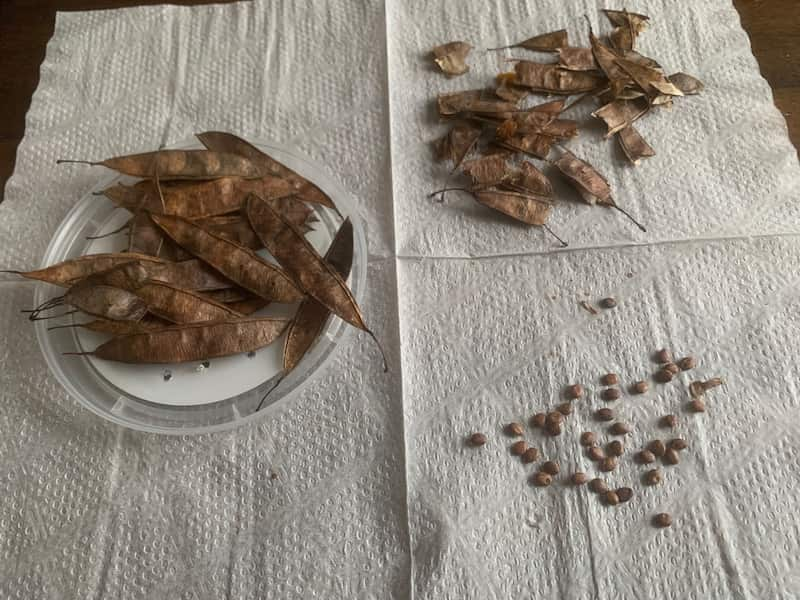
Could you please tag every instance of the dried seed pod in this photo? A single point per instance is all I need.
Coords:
(515, 429)
(552, 79)
(678, 444)
(541, 479)
(697, 405)
(621, 114)
(615, 448)
(229, 295)
(103, 301)
(662, 520)
(604, 414)
(663, 356)
(252, 305)
(672, 368)
(611, 394)
(527, 178)
(686, 83)
(574, 392)
(687, 363)
(519, 448)
(576, 59)
(588, 438)
(477, 439)
(538, 420)
(457, 143)
(530, 455)
(611, 498)
(646, 457)
(669, 421)
(640, 387)
(579, 478)
(544, 42)
(609, 379)
(598, 486)
(671, 457)
(451, 57)
(608, 303)
(663, 376)
(71, 271)
(609, 463)
(117, 328)
(487, 170)
(657, 447)
(595, 453)
(633, 145)
(652, 477)
(551, 468)
(651, 80)
(624, 494)
(565, 408)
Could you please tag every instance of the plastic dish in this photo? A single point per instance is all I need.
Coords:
(187, 398)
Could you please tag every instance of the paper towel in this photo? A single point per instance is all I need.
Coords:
(91, 510)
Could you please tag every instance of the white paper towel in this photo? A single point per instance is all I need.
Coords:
(93, 510)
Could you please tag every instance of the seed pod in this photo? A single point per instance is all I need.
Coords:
(551, 467)
(71, 271)
(663, 376)
(608, 303)
(697, 405)
(595, 453)
(663, 356)
(609, 463)
(555, 417)
(519, 448)
(565, 408)
(574, 391)
(551, 79)
(530, 455)
(515, 429)
(604, 414)
(615, 448)
(609, 379)
(669, 421)
(672, 368)
(579, 478)
(541, 479)
(652, 477)
(620, 428)
(687, 363)
(598, 486)
(588, 438)
(671, 457)
(657, 448)
(678, 444)
(662, 520)
(646, 457)
(553, 428)
(640, 387)
(611, 498)
(106, 301)
(477, 439)
(611, 394)
(451, 58)
(624, 494)
(538, 420)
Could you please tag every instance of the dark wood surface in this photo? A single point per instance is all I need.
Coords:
(26, 26)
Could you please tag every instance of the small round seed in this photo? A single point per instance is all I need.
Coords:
(615, 448)
(608, 303)
(646, 457)
(574, 391)
(565, 408)
(671, 457)
(519, 448)
(554, 417)
(538, 420)
(663, 356)
(620, 428)
(669, 421)
(477, 439)
(687, 363)
(530, 455)
(604, 414)
(672, 368)
(611, 498)
(588, 438)
(657, 447)
(663, 376)
(624, 494)
(609, 463)
(652, 477)
(611, 394)
(541, 479)
(697, 405)
(553, 429)
(662, 520)
(595, 453)
(550, 467)
(515, 429)
(579, 478)
(609, 379)
(598, 486)
(678, 444)
(640, 387)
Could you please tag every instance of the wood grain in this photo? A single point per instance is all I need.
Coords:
(26, 26)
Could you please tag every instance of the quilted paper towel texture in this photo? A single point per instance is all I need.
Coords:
(92, 510)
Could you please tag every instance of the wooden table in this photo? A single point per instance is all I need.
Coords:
(26, 26)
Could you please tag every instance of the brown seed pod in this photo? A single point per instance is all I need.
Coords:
(687, 363)
(565, 408)
(574, 392)
(579, 478)
(609, 463)
(669, 421)
(457, 143)
(686, 83)
(620, 428)
(530, 455)
(541, 479)
(657, 447)
(662, 520)
(615, 448)
(663, 356)
(619, 115)
(633, 145)
(576, 59)
(538, 420)
(609, 379)
(624, 494)
(678, 444)
(551, 79)
(652, 477)
(595, 453)
(608, 303)
(598, 486)
(604, 414)
(117, 328)
(103, 301)
(646, 457)
(588, 438)
(474, 103)
(640, 387)
(671, 457)
(525, 208)
(451, 58)
(250, 306)
(672, 368)
(611, 498)
(528, 179)
(519, 448)
(663, 376)
(477, 439)
(229, 295)
(514, 429)
(487, 170)
(544, 42)
(697, 405)
(611, 394)
(551, 468)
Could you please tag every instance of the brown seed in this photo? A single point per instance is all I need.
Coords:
(657, 448)
(620, 428)
(646, 457)
(553, 429)
(574, 391)
(663, 376)
(697, 405)
(609, 463)
(672, 368)
(611, 394)
(663, 356)
(609, 379)
(530, 455)
(555, 417)
(579, 478)
(604, 414)
(669, 421)
(624, 494)
(687, 363)
(662, 520)
(477, 439)
(697, 389)
(538, 420)
(640, 387)
(565, 408)
(541, 479)
(519, 448)
(678, 444)
(273, 476)
(598, 486)
(551, 467)
(671, 457)
(615, 448)
(611, 498)
(608, 303)
(588, 438)
(515, 429)
(652, 477)
(595, 453)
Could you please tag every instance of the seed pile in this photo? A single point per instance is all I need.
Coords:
(187, 285)
(496, 130)
(605, 454)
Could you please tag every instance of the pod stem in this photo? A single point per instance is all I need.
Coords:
(380, 348)
(551, 232)
(270, 390)
(502, 48)
(77, 353)
(627, 214)
(117, 230)
(63, 161)
(447, 189)
(38, 318)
